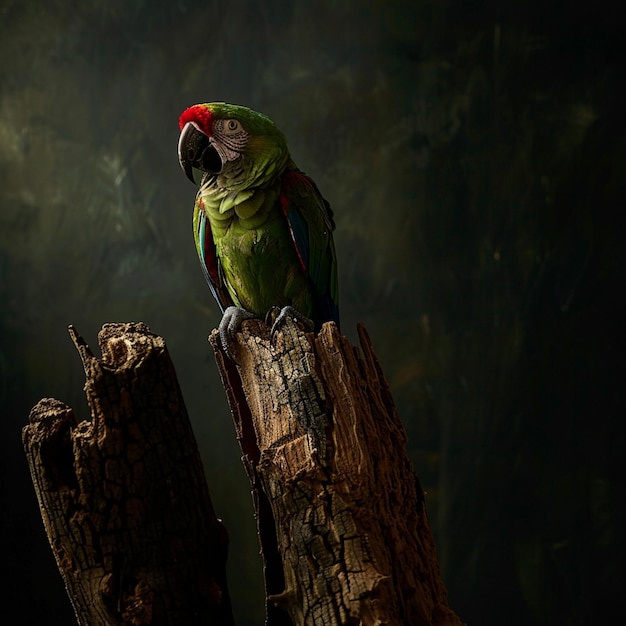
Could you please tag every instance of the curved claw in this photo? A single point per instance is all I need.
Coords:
(231, 321)
(285, 313)
(271, 315)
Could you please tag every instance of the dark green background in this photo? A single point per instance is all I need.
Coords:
(474, 154)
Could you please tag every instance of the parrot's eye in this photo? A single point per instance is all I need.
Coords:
(232, 127)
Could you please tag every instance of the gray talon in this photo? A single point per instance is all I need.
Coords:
(231, 321)
(281, 318)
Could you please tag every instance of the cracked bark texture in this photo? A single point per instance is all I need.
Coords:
(340, 513)
(123, 497)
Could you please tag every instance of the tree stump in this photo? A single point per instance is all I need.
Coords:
(123, 497)
(340, 513)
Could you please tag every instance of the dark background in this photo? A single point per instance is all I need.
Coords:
(474, 154)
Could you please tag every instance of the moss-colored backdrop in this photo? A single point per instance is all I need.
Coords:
(474, 154)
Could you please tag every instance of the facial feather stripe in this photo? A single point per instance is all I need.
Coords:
(234, 142)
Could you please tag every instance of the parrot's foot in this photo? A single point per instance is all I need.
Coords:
(277, 317)
(231, 321)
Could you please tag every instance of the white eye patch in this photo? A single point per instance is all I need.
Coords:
(229, 138)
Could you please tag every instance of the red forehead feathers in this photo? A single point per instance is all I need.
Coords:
(199, 114)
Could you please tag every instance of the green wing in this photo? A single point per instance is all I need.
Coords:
(311, 224)
(209, 262)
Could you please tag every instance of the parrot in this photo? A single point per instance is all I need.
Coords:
(262, 230)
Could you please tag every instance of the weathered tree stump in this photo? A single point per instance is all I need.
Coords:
(340, 513)
(123, 497)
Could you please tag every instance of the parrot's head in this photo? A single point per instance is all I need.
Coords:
(234, 145)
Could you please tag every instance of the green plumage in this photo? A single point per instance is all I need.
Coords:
(262, 229)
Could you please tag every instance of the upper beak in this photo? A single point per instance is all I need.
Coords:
(195, 152)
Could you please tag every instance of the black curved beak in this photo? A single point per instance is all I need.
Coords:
(195, 152)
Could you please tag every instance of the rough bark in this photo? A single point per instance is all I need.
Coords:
(123, 497)
(341, 515)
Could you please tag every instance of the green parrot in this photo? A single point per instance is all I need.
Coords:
(262, 229)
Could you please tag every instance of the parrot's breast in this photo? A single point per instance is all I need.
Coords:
(253, 244)
(261, 268)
